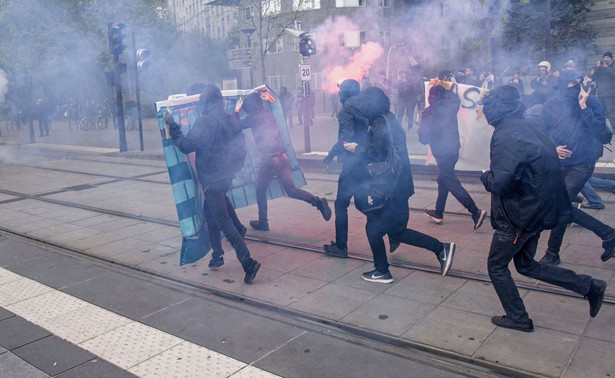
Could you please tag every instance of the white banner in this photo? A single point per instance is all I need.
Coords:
(474, 131)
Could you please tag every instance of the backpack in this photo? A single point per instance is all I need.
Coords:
(236, 153)
(383, 176)
(607, 135)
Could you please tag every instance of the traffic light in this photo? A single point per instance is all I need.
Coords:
(142, 62)
(116, 38)
(307, 46)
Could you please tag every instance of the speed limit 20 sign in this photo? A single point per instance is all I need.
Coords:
(305, 71)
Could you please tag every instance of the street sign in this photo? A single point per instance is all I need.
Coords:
(239, 54)
(306, 89)
(305, 71)
(239, 64)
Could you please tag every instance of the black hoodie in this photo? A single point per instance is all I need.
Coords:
(375, 105)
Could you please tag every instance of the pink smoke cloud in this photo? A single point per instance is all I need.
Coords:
(344, 63)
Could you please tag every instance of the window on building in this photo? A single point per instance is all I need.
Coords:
(384, 3)
(279, 45)
(306, 4)
(276, 82)
(351, 39)
(349, 3)
(271, 7)
(249, 12)
(315, 83)
(385, 38)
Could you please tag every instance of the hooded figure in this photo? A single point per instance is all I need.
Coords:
(392, 219)
(274, 161)
(220, 150)
(352, 128)
(440, 129)
(527, 195)
(576, 124)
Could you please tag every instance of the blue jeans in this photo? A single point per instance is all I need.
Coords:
(588, 191)
(503, 250)
(575, 178)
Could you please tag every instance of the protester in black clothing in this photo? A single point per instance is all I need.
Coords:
(576, 122)
(274, 161)
(220, 150)
(604, 76)
(286, 100)
(407, 91)
(392, 219)
(42, 114)
(352, 128)
(528, 195)
(440, 129)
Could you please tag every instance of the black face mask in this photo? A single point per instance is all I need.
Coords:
(573, 92)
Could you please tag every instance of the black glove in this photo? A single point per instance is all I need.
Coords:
(168, 118)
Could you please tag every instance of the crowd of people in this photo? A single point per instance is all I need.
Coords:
(542, 155)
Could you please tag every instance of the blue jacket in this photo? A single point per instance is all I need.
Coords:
(567, 124)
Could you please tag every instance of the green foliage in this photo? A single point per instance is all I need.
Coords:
(525, 29)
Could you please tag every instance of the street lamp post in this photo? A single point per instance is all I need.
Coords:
(389, 55)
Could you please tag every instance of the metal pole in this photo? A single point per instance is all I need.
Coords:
(29, 90)
(389, 56)
(136, 68)
(548, 36)
(119, 103)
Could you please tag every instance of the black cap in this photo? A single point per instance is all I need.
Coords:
(609, 54)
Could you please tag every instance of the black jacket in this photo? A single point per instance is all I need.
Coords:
(219, 144)
(352, 128)
(528, 193)
(605, 81)
(375, 106)
(439, 122)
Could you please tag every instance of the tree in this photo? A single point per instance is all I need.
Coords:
(569, 34)
(268, 19)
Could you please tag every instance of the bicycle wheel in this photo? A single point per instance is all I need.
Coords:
(84, 124)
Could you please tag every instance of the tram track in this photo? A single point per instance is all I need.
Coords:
(268, 240)
(345, 332)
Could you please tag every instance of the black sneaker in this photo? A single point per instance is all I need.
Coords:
(323, 206)
(505, 322)
(595, 296)
(393, 244)
(434, 216)
(334, 251)
(375, 276)
(550, 258)
(259, 225)
(216, 262)
(478, 218)
(446, 258)
(609, 248)
(251, 272)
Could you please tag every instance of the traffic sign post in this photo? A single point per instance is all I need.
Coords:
(305, 73)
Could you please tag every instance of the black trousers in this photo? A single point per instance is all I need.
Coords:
(349, 185)
(504, 249)
(392, 219)
(448, 182)
(272, 166)
(575, 178)
(220, 216)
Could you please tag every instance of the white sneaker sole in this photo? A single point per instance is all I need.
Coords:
(449, 262)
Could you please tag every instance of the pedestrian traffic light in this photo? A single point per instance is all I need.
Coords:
(116, 38)
(142, 62)
(307, 46)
